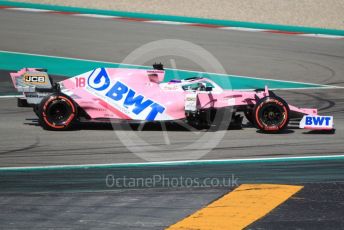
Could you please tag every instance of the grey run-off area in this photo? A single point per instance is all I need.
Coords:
(314, 13)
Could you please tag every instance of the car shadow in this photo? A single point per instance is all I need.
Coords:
(321, 132)
(169, 126)
(138, 127)
(285, 131)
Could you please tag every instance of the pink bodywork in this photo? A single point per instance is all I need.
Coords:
(138, 94)
(84, 89)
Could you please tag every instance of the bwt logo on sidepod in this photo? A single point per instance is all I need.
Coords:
(100, 81)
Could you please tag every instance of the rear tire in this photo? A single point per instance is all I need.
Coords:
(36, 110)
(271, 114)
(57, 112)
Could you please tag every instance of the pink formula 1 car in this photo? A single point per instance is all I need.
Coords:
(136, 95)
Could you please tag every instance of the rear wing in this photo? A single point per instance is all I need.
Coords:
(30, 79)
(34, 83)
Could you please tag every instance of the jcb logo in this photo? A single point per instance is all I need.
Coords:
(34, 79)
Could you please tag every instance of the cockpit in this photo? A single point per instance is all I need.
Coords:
(199, 86)
(192, 84)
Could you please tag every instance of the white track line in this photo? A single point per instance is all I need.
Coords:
(96, 16)
(183, 162)
(316, 86)
(30, 10)
(190, 71)
(322, 36)
(10, 96)
(169, 22)
(241, 29)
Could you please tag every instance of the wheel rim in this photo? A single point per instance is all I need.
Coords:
(58, 112)
(272, 115)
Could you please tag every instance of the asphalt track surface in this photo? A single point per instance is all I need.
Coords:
(284, 57)
(159, 208)
(103, 198)
(23, 143)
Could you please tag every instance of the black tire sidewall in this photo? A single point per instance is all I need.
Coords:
(44, 105)
(271, 100)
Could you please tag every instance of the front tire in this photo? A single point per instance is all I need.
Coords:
(57, 112)
(271, 114)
